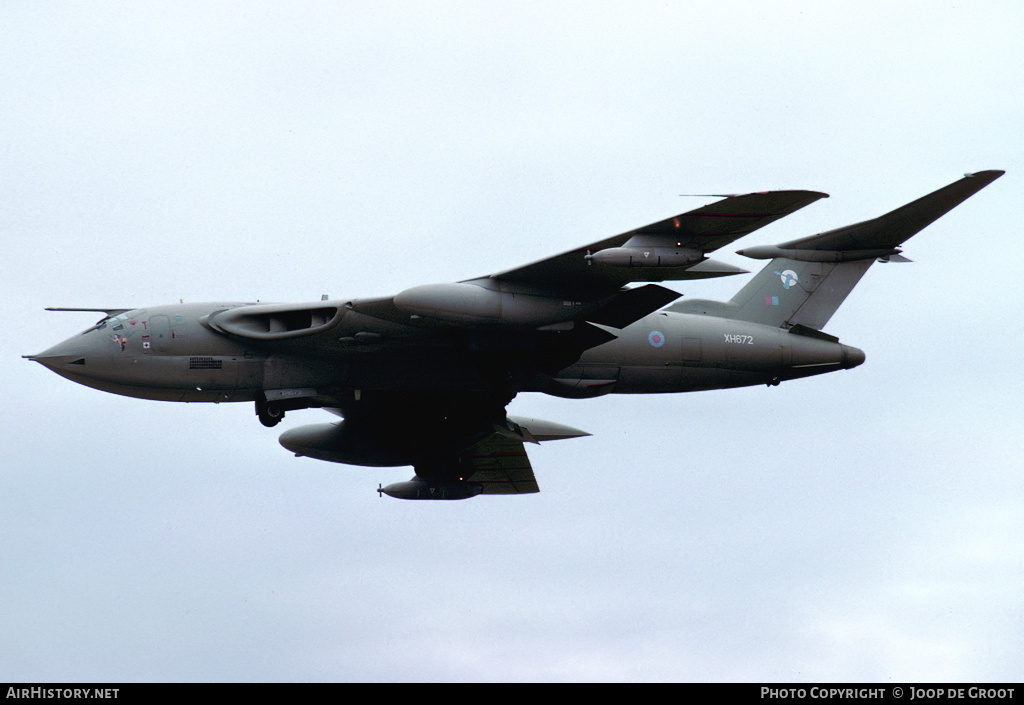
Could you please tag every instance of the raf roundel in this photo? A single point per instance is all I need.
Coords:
(656, 338)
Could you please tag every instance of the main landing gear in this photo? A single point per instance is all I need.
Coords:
(269, 413)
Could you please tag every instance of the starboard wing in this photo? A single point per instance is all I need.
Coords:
(705, 229)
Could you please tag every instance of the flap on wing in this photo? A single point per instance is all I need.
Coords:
(500, 465)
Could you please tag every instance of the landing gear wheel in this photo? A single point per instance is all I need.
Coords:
(270, 414)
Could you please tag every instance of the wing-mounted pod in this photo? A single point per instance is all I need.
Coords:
(642, 251)
(662, 253)
(275, 321)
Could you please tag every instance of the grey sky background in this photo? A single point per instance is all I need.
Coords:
(865, 525)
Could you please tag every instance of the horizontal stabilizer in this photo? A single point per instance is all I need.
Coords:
(809, 278)
(873, 237)
(809, 255)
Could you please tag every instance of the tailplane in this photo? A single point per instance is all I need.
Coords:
(808, 279)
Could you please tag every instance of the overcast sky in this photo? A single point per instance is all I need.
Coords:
(864, 525)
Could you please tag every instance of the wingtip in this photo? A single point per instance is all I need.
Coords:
(989, 173)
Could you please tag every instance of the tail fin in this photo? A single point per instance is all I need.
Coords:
(790, 292)
(809, 278)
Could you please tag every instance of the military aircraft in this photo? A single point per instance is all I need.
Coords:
(422, 378)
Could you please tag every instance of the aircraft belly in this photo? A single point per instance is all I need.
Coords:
(636, 379)
(578, 381)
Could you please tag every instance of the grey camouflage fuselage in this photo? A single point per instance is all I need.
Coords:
(423, 378)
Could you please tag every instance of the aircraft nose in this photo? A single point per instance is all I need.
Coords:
(64, 358)
(56, 362)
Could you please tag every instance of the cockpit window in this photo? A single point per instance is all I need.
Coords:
(116, 321)
(99, 326)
